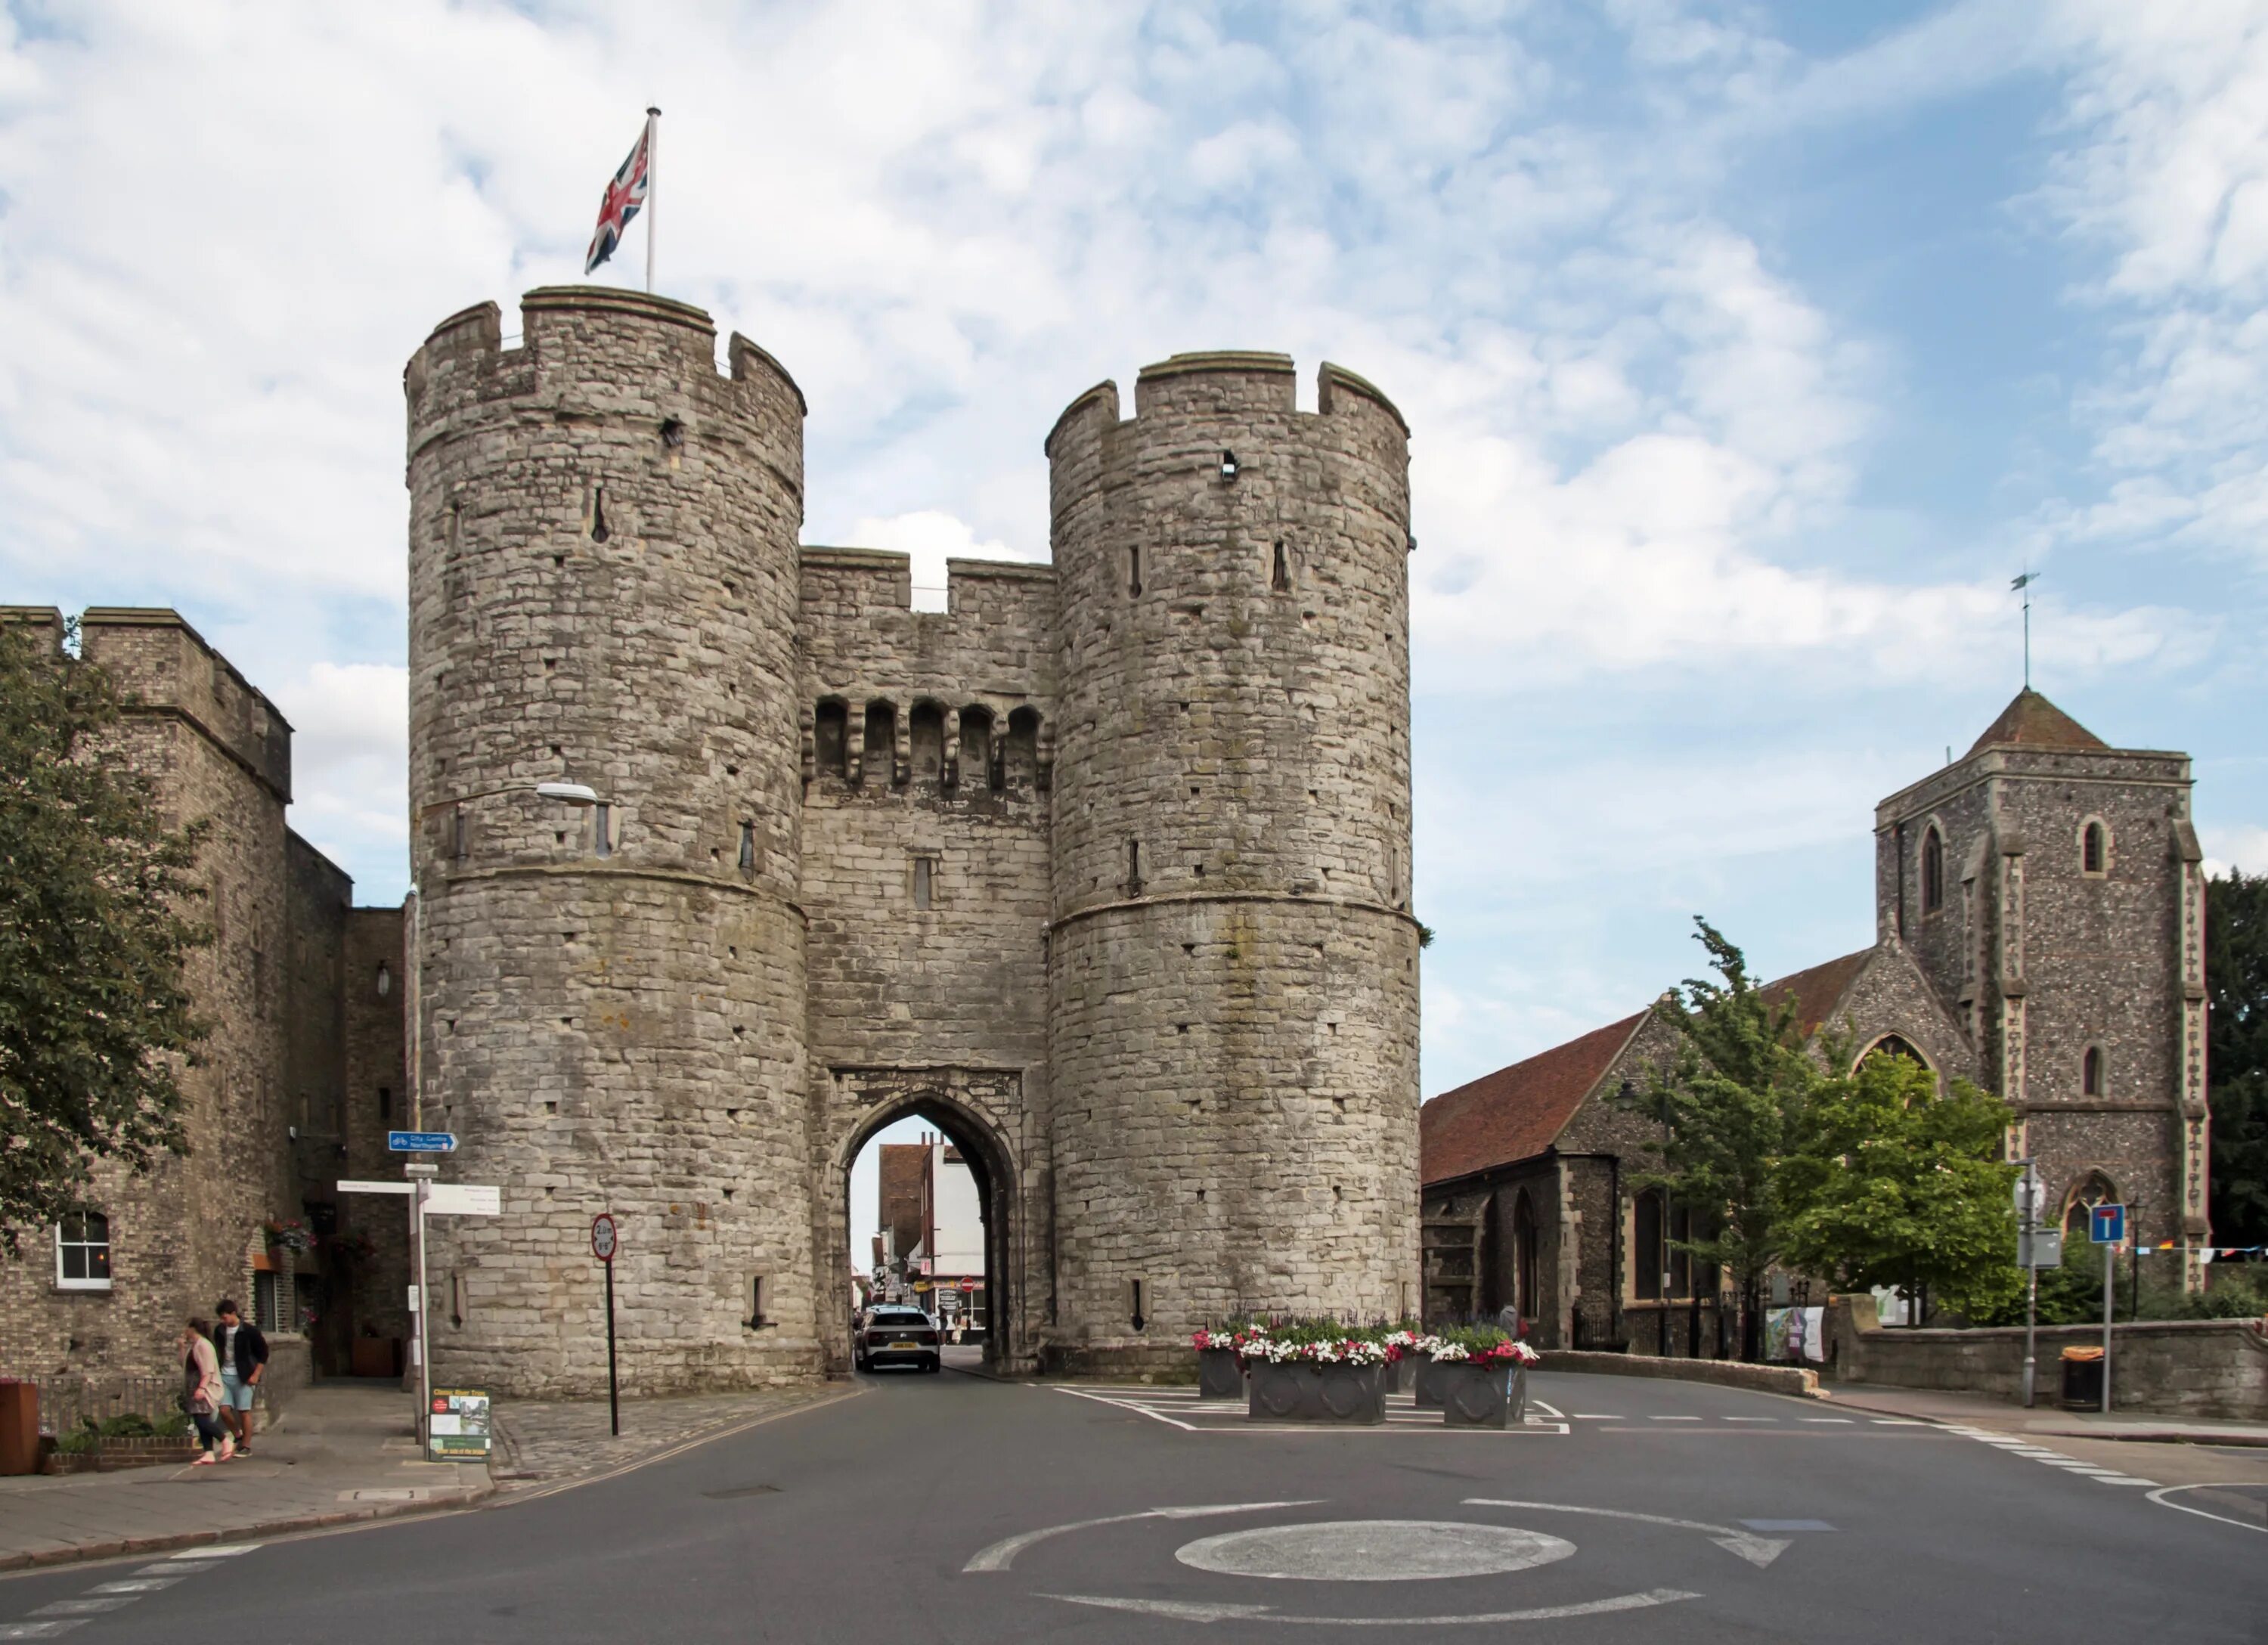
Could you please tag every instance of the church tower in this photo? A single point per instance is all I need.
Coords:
(2052, 889)
(1232, 965)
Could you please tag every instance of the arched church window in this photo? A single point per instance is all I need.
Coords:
(2093, 849)
(2094, 1189)
(2090, 1072)
(1647, 1251)
(1932, 871)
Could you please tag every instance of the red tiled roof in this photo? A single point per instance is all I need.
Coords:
(2034, 722)
(1515, 1112)
(1816, 991)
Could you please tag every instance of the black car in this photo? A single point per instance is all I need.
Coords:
(894, 1335)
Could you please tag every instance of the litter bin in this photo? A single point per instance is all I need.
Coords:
(19, 1427)
(2083, 1379)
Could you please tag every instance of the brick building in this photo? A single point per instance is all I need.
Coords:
(2039, 922)
(284, 1098)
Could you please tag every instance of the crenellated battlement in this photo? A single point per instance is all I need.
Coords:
(1220, 384)
(588, 351)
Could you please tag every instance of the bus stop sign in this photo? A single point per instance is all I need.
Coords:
(2106, 1225)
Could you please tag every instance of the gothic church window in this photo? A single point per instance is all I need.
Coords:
(2094, 849)
(1646, 1252)
(1932, 871)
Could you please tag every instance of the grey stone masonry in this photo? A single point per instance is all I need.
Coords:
(2056, 963)
(1232, 970)
(1109, 885)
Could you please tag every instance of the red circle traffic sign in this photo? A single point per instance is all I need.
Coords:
(967, 1283)
(604, 1241)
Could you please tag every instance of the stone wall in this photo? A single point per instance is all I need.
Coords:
(2216, 1367)
(375, 1287)
(1231, 969)
(183, 1235)
(603, 590)
(925, 883)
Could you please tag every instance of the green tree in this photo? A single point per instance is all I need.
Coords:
(2236, 1053)
(1887, 1182)
(96, 1021)
(1739, 1083)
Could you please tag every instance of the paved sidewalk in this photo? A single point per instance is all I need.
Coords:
(546, 1444)
(345, 1451)
(2046, 1418)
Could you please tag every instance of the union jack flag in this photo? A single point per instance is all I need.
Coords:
(625, 194)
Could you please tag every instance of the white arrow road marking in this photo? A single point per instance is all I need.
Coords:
(1188, 1612)
(1757, 1551)
(1002, 1554)
(2160, 1496)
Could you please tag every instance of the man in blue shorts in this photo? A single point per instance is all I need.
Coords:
(243, 1354)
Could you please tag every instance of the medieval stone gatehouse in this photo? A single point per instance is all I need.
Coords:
(2039, 908)
(1104, 870)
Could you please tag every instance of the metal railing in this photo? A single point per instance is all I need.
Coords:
(69, 1405)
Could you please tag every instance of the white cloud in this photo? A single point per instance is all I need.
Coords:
(2243, 847)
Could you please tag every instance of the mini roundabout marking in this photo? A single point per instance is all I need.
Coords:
(1374, 1551)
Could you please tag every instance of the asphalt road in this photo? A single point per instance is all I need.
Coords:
(1653, 1511)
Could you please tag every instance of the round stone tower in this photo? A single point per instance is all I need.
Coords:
(611, 1002)
(1233, 967)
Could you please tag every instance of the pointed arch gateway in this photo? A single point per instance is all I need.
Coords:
(960, 1106)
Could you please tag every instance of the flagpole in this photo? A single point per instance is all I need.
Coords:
(653, 184)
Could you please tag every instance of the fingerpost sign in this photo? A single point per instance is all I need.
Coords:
(605, 1241)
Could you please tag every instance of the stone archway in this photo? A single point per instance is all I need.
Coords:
(958, 1107)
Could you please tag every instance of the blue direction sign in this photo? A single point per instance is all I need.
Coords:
(422, 1141)
(2106, 1225)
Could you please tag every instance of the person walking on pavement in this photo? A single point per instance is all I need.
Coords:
(201, 1393)
(243, 1354)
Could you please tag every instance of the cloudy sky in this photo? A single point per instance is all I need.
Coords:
(1750, 351)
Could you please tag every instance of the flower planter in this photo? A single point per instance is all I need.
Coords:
(1483, 1396)
(1428, 1386)
(1402, 1376)
(1219, 1376)
(1352, 1394)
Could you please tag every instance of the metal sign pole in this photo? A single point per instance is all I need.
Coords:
(2109, 1277)
(424, 1337)
(2029, 1186)
(613, 1396)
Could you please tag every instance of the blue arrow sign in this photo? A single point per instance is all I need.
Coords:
(422, 1141)
(2106, 1225)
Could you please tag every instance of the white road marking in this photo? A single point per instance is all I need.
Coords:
(135, 1585)
(1757, 1551)
(1845, 1421)
(1002, 1554)
(1223, 1417)
(1673, 1419)
(37, 1630)
(1751, 1418)
(1895, 1422)
(1596, 1416)
(1186, 1611)
(217, 1551)
(83, 1607)
(2164, 1492)
(2122, 1478)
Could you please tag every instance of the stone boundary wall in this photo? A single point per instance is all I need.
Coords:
(1763, 1379)
(2200, 1367)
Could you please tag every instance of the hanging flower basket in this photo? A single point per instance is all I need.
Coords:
(287, 1233)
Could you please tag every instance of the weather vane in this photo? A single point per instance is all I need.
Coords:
(2023, 585)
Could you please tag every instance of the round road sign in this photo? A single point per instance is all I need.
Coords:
(603, 1239)
(967, 1283)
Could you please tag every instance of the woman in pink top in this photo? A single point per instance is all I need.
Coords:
(201, 1391)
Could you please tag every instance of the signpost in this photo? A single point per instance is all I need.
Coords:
(2106, 1226)
(422, 1141)
(428, 1198)
(2029, 1190)
(605, 1241)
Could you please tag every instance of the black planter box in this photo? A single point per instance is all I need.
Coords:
(1429, 1381)
(1483, 1396)
(1352, 1394)
(1219, 1376)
